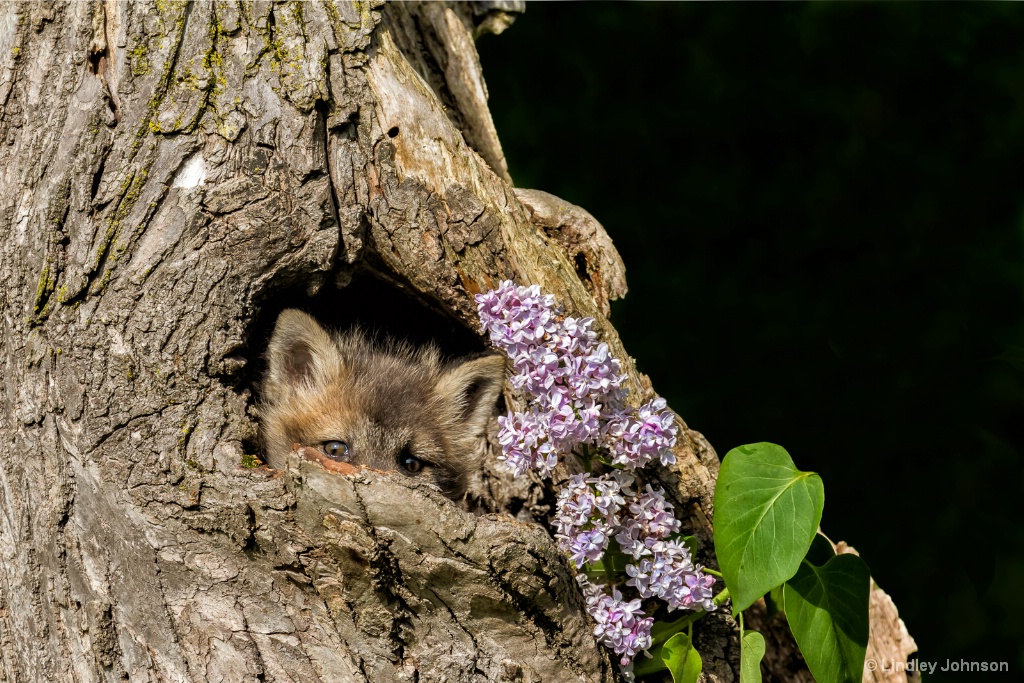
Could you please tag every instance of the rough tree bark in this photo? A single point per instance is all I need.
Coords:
(169, 171)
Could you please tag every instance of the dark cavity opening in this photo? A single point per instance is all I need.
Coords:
(96, 177)
(580, 261)
(95, 63)
(379, 307)
(393, 133)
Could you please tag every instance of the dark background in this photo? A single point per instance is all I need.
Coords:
(821, 211)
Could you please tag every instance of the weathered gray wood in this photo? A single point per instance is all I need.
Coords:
(167, 168)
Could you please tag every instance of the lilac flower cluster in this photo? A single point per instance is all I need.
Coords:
(575, 398)
(559, 364)
(574, 385)
(588, 514)
(639, 438)
(593, 510)
(619, 623)
(650, 521)
(670, 574)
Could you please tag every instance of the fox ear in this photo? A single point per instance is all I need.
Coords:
(472, 388)
(300, 352)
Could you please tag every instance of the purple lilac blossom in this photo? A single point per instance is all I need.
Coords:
(575, 397)
(525, 442)
(568, 376)
(587, 514)
(651, 519)
(669, 574)
(664, 568)
(638, 437)
(621, 625)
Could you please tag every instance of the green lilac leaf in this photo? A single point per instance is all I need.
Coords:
(661, 633)
(681, 659)
(773, 600)
(691, 544)
(820, 552)
(827, 609)
(751, 652)
(766, 515)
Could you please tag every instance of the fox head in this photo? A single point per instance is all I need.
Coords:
(386, 405)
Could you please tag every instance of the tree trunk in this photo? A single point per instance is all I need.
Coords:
(173, 175)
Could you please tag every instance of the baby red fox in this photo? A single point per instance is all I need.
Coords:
(386, 406)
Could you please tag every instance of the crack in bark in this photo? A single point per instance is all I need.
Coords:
(324, 136)
(119, 426)
(386, 578)
(100, 58)
(531, 611)
(177, 46)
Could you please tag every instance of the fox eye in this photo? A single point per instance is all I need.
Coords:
(409, 462)
(335, 450)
